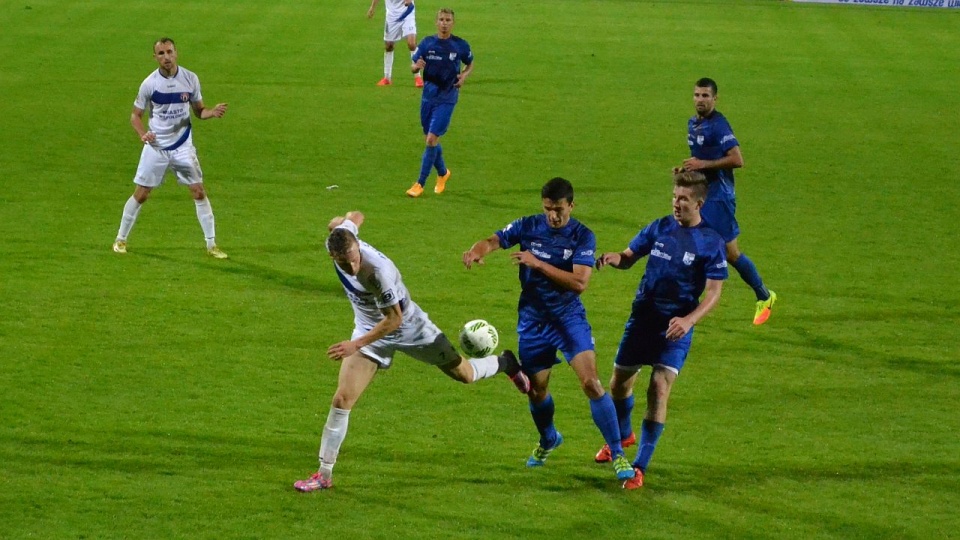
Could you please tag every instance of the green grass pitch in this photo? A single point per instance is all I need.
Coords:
(164, 394)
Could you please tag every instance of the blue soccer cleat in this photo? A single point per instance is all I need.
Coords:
(540, 453)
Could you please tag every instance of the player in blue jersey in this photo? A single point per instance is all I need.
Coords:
(555, 260)
(439, 58)
(168, 96)
(715, 152)
(685, 257)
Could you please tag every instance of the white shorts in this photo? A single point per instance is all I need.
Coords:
(417, 337)
(396, 31)
(154, 164)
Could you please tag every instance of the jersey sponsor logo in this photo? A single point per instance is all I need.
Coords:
(540, 254)
(661, 254)
(534, 244)
(587, 253)
(728, 138)
(722, 264)
(688, 258)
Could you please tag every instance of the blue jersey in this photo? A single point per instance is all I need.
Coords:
(681, 261)
(711, 138)
(540, 298)
(443, 57)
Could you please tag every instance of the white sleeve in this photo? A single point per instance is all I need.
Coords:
(382, 286)
(197, 95)
(144, 95)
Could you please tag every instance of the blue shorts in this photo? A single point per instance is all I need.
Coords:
(539, 342)
(721, 216)
(435, 117)
(644, 342)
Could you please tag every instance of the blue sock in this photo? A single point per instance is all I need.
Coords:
(438, 162)
(649, 435)
(748, 272)
(624, 409)
(543, 417)
(426, 163)
(605, 417)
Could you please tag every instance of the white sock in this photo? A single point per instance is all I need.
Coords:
(484, 367)
(205, 215)
(388, 64)
(130, 212)
(334, 432)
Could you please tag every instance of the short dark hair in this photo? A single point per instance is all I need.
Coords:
(707, 82)
(340, 241)
(694, 180)
(557, 189)
(165, 40)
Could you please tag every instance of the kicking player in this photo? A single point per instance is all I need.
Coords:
(555, 260)
(439, 58)
(170, 93)
(386, 320)
(685, 257)
(401, 23)
(715, 152)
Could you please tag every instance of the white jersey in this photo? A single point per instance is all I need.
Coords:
(376, 286)
(167, 101)
(397, 11)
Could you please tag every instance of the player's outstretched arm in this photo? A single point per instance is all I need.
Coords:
(355, 216)
(203, 112)
(479, 250)
(621, 261)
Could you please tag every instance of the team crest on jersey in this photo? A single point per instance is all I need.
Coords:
(453, 56)
(185, 97)
(386, 297)
(688, 258)
(700, 139)
(567, 253)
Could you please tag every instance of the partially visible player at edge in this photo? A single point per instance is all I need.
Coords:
(715, 152)
(386, 320)
(555, 262)
(170, 93)
(400, 23)
(439, 58)
(686, 257)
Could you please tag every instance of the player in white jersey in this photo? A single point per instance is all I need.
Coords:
(169, 94)
(386, 320)
(401, 23)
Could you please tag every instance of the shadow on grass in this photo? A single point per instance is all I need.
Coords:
(240, 267)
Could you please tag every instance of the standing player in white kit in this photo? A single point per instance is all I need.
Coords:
(169, 93)
(386, 320)
(401, 24)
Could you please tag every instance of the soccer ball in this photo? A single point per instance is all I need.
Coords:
(478, 338)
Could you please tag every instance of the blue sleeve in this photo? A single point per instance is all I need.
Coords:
(642, 243)
(727, 139)
(586, 248)
(716, 265)
(466, 55)
(510, 235)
